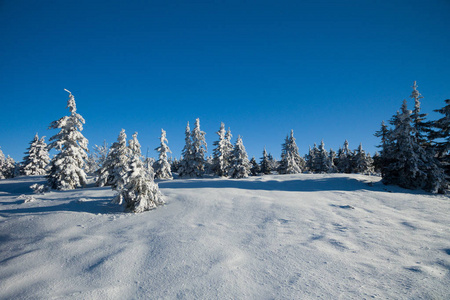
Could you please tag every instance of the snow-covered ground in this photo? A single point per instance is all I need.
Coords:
(271, 237)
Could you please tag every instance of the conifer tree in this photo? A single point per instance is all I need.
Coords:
(344, 159)
(116, 163)
(2, 164)
(162, 166)
(186, 168)
(441, 136)
(66, 167)
(331, 159)
(265, 163)
(291, 161)
(410, 166)
(363, 162)
(36, 159)
(198, 149)
(221, 153)
(139, 192)
(321, 159)
(255, 169)
(421, 128)
(311, 158)
(240, 165)
(9, 168)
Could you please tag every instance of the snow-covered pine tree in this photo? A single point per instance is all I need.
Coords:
(421, 128)
(198, 149)
(291, 161)
(139, 193)
(9, 168)
(321, 159)
(221, 153)
(265, 163)
(36, 159)
(240, 165)
(100, 154)
(362, 162)
(332, 158)
(228, 154)
(344, 159)
(116, 163)
(255, 169)
(162, 166)
(410, 166)
(66, 167)
(186, 168)
(441, 136)
(2, 164)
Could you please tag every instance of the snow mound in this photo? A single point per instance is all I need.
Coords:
(285, 237)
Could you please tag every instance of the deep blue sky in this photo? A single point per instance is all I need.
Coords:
(330, 70)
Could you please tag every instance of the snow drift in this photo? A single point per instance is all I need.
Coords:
(271, 237)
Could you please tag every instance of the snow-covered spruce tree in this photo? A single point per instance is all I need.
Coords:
(140, 193)
(332, 158)
(380, 161)
(344, 159)
(222, 152)
(421, 128)
(2, 164)
(100, 154)
(255, 169)
(291, 161)
(66, 167)
(162, 166)
(322, 160)
(362, 162)
(115, 165)
(240, 165)
(265, 163)
(9, 168)
(310, 158)
(441, 136)
(186, 168)
(228, 154)
(410, 166)
(36, 158)
(198, 149)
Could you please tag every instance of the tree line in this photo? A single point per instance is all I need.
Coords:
(414, 153)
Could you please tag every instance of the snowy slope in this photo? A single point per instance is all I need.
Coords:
(272, 237)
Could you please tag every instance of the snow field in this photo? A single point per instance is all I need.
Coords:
(271, 237)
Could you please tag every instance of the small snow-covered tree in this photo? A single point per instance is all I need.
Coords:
(115, 165)
(162, 166)
(221, 153)
(186, 168)
(265, 163)
(291, 161)
(321, 159)
(311, 158)
(100, 154)
(362, 162)
(9, 169)
(240, 165)
(255, 169)
(66, 167)
(2, 164)
(36, 159)
(344, 159)
(198, 149)
(139, 193)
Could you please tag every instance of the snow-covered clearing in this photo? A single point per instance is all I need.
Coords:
(272, 237)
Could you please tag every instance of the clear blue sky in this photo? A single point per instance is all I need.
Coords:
(330, 70)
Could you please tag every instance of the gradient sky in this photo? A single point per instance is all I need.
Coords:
(330, 70)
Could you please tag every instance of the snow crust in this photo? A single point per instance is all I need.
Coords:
(272, 237)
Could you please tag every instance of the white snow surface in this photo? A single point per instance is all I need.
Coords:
(271, 237)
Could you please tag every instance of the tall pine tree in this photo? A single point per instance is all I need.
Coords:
(66, 167)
